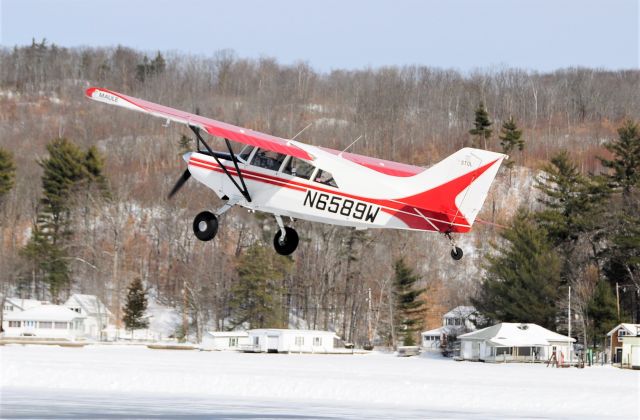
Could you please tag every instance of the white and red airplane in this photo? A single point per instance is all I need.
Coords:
(291, 179)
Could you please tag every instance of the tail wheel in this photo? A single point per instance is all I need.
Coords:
(456, 253)
(205, 226)
(289, 244)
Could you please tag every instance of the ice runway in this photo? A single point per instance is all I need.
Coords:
(135, 382)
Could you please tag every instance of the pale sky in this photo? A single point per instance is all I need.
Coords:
(339, 34)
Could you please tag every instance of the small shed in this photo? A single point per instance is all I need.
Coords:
(431, 339)
(624, 345)
(224, 340)
(275, 340)
(515, 342)
(45, 321)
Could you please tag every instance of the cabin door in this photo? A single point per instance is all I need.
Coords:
(272, 344)
(618, 355)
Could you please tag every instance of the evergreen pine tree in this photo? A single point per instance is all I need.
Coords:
(602, 311)
(571, 200)
(625, 163)
(481, 130)
(510, 140)
(7, 172)
(94, 165)
(522, 278)
(257, 292)
(135, 307)
(409, 308)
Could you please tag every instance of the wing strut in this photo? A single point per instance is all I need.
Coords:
(243, 189)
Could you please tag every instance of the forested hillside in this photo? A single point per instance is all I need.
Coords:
(117, 224)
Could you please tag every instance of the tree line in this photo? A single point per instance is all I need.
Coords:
(112, 224)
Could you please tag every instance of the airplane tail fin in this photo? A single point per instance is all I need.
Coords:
(454, 189)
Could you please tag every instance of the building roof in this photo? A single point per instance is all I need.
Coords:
(511, 334)
(285, 330)
(25, 304)
(436, 331)
(228, 333)
(632, 329)
(90, 303)
(45, 313)
(460, 312)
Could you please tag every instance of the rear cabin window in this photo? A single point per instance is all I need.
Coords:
(324, 177)
(299, 168)
(268, 159)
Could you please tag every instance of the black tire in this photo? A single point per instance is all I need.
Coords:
(456, 253)
(205, 226)
(290, 242)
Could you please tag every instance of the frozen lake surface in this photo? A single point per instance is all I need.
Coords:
(136, 382)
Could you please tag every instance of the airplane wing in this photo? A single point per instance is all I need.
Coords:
(213, 127)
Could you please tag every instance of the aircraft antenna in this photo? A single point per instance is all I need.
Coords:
(301, 131)
(352, 143)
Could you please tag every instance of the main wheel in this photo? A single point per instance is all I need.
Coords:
(205, 226)
(456, 253)
(289, 244)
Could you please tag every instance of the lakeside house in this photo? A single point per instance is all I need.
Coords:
(457, 321)
(274, 340)
(45, 321)
(624, 345)
(515, 342)
(96, 314)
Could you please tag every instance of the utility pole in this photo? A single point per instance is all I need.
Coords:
(569, 321)
(185, 301)
(370, 332)
(618, 299)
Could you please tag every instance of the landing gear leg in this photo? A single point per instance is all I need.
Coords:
(286, 239)
(456, 252)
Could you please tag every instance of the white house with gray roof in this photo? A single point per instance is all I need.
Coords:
(96, 314)
(45, 321)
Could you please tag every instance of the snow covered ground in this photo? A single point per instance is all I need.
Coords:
(136, 382)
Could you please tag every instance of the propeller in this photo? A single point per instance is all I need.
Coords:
(183, 178)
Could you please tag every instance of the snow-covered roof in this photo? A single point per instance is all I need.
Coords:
(632, 329)
(285, 330)
(460, 312)
(228, 333)
(436, 331)
(90, 303)
(25, 304)
(45, 313)
(510, 334)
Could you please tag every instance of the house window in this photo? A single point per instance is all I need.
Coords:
(76, 310)
(256, 341)
(317, 341)
(299, 341)
(14, 324)
(61, 325)
(46, 325)
(31, 324)
(621, 332)
(233, 341)
(8, 308)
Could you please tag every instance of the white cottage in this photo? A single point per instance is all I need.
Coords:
(224, 340)
(291, 341)
(96, 314)
(457, 321)
(515, 342)
(45, 321)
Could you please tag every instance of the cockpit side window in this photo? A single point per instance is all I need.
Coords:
(324, 177)
(268, 159)
(245, 153)
(299, 168)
